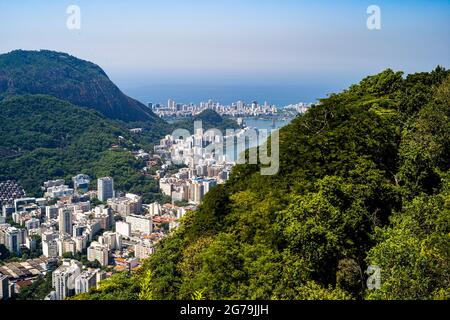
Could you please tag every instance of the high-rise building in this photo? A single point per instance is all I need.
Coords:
(63, 278)
(4, 287)
(171, 105)
(197, 191)
(13, 239)
(66, 245)
(105, 188)
(208, 184)
(100, 276)
(50, 248)
(106, 215)
(140, 224)
(50, 244)
(124, 206)
(123, 228)
(154, 209)
(85, 281)
(98, 252)
(32, 223)
(78, 229)
(113, 240)
(51, 212)
(65, 221)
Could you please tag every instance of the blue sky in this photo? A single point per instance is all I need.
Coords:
(325, 44)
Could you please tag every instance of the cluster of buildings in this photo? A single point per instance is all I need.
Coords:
(70, 278)
(84, 240)
(236, 109)
(203, 166)
(16, 275)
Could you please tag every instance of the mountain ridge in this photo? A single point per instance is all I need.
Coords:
(66, 77)
(57, 139)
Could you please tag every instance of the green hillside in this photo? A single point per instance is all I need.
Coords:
(45, 138)
(364, 181)
(68, 78)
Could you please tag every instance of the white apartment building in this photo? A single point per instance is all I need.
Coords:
(124, 206)
(13, 239)
(63, 278)
(66, 245)
(85, 281)
(112, 240)
(165, 185)
(65, 221)
(123, 228)
(143, 224)
(105, 188)
(50, 248)
(154, 209)
(98, 252)
(59, 192)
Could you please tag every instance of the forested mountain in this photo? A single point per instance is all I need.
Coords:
(364, 181)
(60, 116)
(68, 78)
(45, 138)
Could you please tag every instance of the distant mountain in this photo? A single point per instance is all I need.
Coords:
(65, 77)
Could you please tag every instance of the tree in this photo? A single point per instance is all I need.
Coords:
(4, 252)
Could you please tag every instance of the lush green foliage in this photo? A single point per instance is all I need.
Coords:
(121, 286)
(38, 290)
(54, 139)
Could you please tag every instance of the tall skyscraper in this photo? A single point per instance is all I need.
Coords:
(98, 252)
(105, 188)
(171, 105)
(65, 221)
(63, 278)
